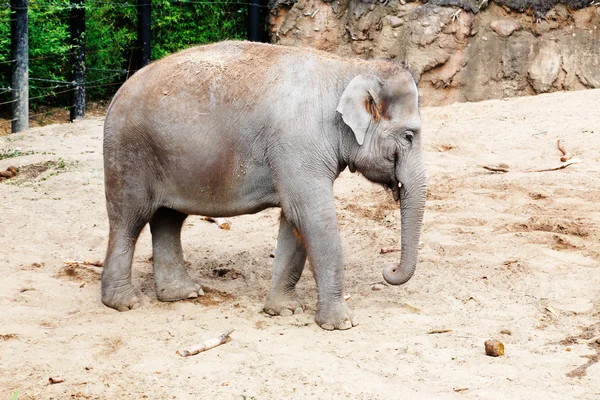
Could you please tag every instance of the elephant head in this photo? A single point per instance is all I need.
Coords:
(384, 117)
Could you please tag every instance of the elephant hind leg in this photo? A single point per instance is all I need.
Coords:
(290, 258)
(125, 227)
(170, 275)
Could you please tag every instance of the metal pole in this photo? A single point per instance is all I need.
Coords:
(144, 11)
(254, 21)
(78, 41)
(19, 39)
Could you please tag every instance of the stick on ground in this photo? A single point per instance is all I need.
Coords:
(565, 154)
(221, 222)
(495, 169)
(560, 166)
(206, 345)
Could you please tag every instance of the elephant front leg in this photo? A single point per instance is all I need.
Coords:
(290, 258)
(314, 216)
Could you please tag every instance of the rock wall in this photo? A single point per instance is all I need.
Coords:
(459, 50)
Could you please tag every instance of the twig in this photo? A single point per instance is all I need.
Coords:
(386, 250)
(206, 345)
(494, 169)
(97, 263)
(456, 14)
(221, 222)
(436, 331)
(565, 154)
(560, 166)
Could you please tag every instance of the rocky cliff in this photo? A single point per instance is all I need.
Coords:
(459, 50)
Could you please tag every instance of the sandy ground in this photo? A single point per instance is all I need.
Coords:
(512, 256)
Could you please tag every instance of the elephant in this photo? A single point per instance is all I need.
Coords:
(236, 127)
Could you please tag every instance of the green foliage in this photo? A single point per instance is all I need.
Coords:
(178, 25)
(111, 33)
(11, 153)
(49, 49)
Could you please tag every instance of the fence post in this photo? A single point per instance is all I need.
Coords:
(254, 21)
(143, 9)
(77, 26)
(19, 40)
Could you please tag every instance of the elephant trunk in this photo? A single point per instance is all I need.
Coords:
(413, 194)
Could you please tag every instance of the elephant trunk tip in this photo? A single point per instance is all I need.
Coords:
(397, 275)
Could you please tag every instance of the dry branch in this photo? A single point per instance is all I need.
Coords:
(565, 154)
(495, 169)
(96, 263)
(206, 345)
(386, 250)
(436, 331)
(221, 222)
(560, 166)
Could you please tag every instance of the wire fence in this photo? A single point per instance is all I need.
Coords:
(111, 43)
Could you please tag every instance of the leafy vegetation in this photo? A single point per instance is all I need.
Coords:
(11, 153)
(111, 34)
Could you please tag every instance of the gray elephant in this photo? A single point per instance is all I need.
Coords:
(236, 127)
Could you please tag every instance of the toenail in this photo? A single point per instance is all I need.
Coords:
(286, 313)
(327, 326)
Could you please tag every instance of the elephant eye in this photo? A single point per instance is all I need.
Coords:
(409, 135)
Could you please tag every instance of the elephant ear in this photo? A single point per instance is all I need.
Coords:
(360, 104)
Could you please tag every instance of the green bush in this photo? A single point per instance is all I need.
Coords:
(111, 33)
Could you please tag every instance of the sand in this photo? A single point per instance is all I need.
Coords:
(513, 257)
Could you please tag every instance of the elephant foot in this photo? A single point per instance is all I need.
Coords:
(121, 298)
(284, 305)
(336, 316)
(178, 289)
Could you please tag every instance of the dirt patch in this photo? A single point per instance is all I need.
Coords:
(226, 273)
(589, 333)
(554, 225)
(213, 297)
(79, 273)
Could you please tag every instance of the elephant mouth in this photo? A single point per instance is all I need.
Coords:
(394, 187)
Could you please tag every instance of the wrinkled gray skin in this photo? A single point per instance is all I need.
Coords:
(234, 128)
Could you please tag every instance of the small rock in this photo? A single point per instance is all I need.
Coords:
(506, 332)
(377, 287)
(505, 27)
(494, 348)
(395, 21)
